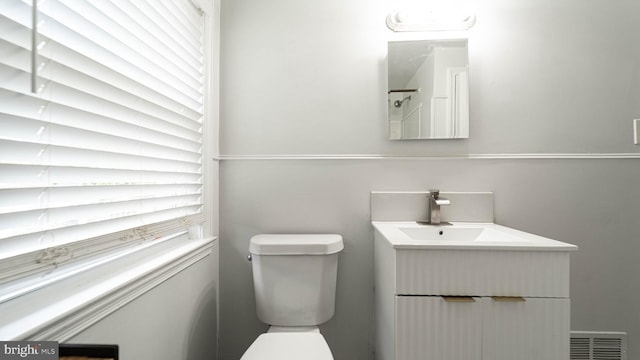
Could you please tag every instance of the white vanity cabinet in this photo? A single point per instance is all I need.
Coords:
(455, 304)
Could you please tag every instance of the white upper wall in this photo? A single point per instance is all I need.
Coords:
(309, 77)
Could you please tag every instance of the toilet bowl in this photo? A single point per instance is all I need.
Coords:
(294, 277)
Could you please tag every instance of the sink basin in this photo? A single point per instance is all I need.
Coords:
(460, 235)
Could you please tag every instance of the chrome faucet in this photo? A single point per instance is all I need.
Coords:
(434, 205)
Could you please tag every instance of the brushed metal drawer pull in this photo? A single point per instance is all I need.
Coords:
(465, 299)
(508, 298)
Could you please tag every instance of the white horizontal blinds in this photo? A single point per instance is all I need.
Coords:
(113, 138)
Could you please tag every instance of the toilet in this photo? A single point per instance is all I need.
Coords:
(294, 279)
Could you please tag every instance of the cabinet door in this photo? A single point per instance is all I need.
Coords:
(438, 328)
(525, 328)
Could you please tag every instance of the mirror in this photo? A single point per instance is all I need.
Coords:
(428, 89)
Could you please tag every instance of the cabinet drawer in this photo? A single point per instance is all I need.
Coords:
(432, 328)
(482, 273)
(533, 329)
(429, 327)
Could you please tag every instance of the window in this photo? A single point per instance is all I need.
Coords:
(107, 154)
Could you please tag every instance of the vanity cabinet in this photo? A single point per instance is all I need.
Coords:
(471, 304)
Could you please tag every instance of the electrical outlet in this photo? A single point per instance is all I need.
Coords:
(636, 131)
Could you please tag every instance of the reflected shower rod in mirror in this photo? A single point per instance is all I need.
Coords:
(402, 90)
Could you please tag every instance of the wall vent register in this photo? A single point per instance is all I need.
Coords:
(587, 345)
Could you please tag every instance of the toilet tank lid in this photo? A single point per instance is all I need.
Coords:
(295, 244)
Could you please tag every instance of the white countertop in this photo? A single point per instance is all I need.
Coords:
(464, 236)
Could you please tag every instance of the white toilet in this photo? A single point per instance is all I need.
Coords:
(294, 278)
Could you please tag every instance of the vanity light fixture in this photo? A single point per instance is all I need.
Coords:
(435, 19)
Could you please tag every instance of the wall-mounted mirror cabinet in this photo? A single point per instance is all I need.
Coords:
(428, 89)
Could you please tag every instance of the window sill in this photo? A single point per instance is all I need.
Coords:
(63, 309)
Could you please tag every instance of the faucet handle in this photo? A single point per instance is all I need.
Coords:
(434, 193)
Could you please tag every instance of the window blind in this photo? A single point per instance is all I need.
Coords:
(108, 151)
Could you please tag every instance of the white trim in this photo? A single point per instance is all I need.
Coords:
(211, 121)
(62, 310)
(432, 157)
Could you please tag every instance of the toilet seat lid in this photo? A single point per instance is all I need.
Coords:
(288, 346)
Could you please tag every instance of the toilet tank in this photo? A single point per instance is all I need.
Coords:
(294, 277)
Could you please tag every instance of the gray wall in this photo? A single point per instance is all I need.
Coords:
(176, 320)
(559, 82)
